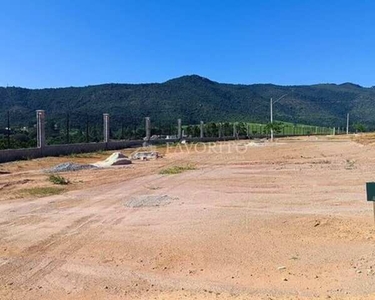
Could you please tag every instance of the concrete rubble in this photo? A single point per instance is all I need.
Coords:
(116, 159)
(146, 155)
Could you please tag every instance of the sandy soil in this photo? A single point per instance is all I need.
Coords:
(287, 220)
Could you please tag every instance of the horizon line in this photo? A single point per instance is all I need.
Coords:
(179, 77)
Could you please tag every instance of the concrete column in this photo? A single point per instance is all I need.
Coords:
(333, 131)
(234, 130)
(106, 128)
(201, 127)
(248, 130)
(220, 130)
(179, 129)
(148, 128)
(40, 128)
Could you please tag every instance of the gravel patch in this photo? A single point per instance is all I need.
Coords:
(68, 167)
(149, 201)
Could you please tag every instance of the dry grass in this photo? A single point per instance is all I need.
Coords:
(39, 192)
(364, 138)
(176, 170)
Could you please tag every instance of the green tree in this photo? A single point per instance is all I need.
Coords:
(212, 130)
(359, 127)
(196, 131)
(242, 129)
(189, 130)
(277, 127)
(227, 129)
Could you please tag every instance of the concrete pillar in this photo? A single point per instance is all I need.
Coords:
(248, 130)
(179, 129)
(220, 130)
(106, 128)
(40, 128)
(148, 128)
(234, 130)
(333, 131)
(201, 127)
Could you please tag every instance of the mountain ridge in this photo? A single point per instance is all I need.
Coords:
(194, 98)
(194, 76)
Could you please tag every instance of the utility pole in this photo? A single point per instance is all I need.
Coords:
(67, 128)
(8, 129)
(179, 129)
(347, 123)
(271, 112)
(148, 128)
(271, 118)
(87, 128)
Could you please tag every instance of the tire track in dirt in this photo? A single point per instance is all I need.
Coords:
(28, 268)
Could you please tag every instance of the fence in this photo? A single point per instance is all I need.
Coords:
(75, 133)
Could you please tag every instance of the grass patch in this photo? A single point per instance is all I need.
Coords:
(42, 191)
(57, 179)
(176, 170)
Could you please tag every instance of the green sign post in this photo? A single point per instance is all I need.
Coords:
(370, 191)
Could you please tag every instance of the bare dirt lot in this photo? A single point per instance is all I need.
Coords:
(287, 220)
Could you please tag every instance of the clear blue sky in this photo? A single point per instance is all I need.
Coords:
(74, 43)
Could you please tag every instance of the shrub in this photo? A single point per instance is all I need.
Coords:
(57, 179)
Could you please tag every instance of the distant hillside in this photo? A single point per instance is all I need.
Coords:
(194, 98)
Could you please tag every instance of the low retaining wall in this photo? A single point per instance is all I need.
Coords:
(66, 149)
(18, 154)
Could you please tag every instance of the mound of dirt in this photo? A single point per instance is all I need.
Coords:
(116, 159)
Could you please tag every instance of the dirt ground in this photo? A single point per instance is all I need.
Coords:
(287, 220)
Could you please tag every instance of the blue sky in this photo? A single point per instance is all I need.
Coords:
(76, 43)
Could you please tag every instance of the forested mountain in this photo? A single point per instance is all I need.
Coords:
(193, 98)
